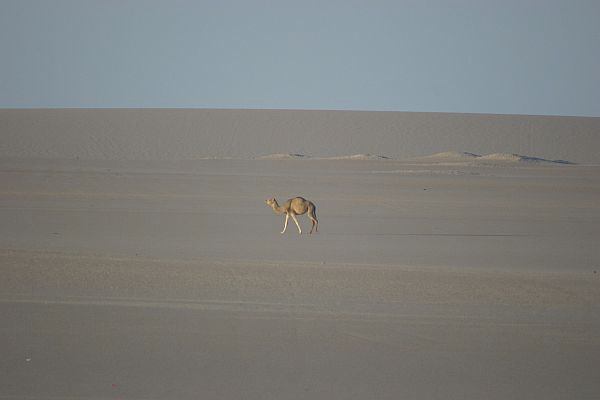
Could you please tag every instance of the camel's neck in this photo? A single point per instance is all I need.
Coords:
(277, 208)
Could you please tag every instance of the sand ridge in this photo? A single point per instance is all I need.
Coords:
(192, 134)
(495, 158)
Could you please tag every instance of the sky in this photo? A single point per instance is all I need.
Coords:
(480, 56)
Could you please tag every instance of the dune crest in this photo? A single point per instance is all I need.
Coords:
(294, 156)
(282, 156)
(517, 158)
(463, 155)
(494, 158)
(365, 156)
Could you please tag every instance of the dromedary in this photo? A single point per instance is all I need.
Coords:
(293, 207)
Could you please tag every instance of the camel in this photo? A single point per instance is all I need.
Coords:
(293, 207)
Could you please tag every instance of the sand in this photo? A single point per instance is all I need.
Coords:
(190, 134)
(136, 273)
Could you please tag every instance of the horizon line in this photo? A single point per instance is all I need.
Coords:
(289, 109)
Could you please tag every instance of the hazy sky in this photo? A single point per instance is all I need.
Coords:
(496, 56)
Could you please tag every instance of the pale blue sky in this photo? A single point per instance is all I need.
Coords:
(490, 56)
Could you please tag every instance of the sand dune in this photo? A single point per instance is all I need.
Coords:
(488, 159)
(281, 156)
(452, 155)
(292, 156)
(358, 157)
(172, 134)
(447, 157)
(516, 158)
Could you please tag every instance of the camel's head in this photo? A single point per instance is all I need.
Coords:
(270, 201)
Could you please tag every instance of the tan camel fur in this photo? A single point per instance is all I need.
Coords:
(293, 207)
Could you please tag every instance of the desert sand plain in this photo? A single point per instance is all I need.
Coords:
(444, 277)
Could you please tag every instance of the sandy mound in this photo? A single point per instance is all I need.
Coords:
(510, 158)
(452, 155)
(282, 156)
(359, 157)
(192, 134)
(507, 157)
(292, 156)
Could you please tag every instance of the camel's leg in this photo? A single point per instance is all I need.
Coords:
(287, 216)
(314, 224)
(297, 224)
(315, 221)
